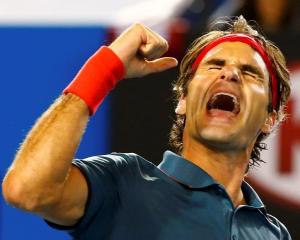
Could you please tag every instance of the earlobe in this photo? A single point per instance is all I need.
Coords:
(181, 106)
(269, 123)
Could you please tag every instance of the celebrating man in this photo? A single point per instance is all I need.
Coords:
(231, 91)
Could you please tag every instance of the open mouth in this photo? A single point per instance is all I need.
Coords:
(224, 102)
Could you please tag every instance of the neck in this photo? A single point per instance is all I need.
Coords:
(227, 168)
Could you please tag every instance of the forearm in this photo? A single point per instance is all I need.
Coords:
(41, 178)
(41, 166)
(37, 178)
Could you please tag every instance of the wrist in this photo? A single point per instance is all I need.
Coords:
(97, 78)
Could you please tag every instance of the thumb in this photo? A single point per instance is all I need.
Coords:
(159, 65)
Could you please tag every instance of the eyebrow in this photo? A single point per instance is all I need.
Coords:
(244, 67)
(252, 69)
(216, 61)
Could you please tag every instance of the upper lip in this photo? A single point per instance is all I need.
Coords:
(227, 90)
(230, 91)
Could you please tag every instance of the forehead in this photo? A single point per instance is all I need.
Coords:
(236, 52)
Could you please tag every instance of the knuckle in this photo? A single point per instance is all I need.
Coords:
(163, 45)
(166, 44)
(162, 42)
(157, 42)
(138, 25)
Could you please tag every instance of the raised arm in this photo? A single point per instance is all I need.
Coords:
(42, 178)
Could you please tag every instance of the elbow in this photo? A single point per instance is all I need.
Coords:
(16, 194)
(7, 191)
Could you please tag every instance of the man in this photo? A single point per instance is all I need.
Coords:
(232, 88)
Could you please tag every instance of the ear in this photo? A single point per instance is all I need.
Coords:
(181, 106)
(269, 123)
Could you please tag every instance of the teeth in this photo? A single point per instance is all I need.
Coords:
(227, 94)
(234, 100)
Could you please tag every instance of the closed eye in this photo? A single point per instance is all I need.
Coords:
(250, 74)
(251, 70)
(215, 64)
(214, 68)
(254, 76)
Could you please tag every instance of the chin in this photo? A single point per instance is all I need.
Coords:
(221, 139)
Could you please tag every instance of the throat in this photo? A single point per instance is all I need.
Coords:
(228, 169)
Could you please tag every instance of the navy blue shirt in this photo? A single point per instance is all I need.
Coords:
(132, 199)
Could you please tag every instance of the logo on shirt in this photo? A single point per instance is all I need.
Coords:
(279, 178)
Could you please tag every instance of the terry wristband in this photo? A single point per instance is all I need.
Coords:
(98, 76)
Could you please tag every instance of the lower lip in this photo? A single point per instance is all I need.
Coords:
(222, 116)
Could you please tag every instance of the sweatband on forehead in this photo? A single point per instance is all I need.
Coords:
(251, 41)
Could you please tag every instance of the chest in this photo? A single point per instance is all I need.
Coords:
(154, 211)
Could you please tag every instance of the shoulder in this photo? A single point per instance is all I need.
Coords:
(114, 162)
(114, 158)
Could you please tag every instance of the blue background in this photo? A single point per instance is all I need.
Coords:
(36, 63)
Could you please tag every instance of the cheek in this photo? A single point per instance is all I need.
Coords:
(258, 100)
(200, 82)
(196, 92)
(258, 89)
(259, 93)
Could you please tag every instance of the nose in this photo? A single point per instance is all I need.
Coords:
(230, 73)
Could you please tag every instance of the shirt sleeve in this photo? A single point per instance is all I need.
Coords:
(103, 175)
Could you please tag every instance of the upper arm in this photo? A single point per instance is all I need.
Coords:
(71, 206)
(93, 184)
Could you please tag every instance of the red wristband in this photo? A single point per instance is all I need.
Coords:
(97, 77)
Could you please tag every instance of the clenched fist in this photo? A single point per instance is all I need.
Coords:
(140, 50)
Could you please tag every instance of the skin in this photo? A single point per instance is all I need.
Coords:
(221, 143)
(42, 179)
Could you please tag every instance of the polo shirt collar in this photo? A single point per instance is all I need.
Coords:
(184, 171)
(189, 174)
(252, 197)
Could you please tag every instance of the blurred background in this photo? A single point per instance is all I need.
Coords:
(44, 43)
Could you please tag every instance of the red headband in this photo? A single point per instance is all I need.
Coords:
(238, 37)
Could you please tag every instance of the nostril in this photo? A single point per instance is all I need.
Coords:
(234, 79)
(229, 76)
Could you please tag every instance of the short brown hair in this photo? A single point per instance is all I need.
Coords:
(186, 73)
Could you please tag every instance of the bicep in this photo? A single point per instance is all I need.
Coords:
(71, 206)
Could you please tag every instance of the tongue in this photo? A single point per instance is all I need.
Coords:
(220, 113)
(221, 102)
(223, 105)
